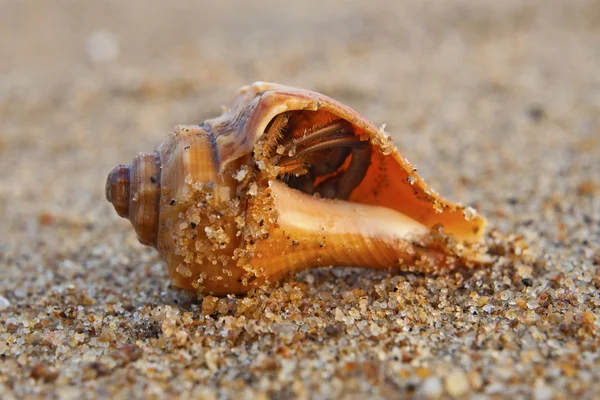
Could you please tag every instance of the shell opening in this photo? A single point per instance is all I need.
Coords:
(316, 153)
(328, 156)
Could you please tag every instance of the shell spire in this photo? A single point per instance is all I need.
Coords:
(134, 191)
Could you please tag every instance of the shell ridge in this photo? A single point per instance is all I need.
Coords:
(216, 156)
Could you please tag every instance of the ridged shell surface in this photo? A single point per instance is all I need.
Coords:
(224, 220)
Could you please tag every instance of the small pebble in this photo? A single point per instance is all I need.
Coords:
(4, 303)
(541, 391)
(532, 304)
(431, 388)
(456, 383)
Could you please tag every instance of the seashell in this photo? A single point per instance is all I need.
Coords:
(287, 179)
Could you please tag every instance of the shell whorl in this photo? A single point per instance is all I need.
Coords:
(134, 191)
(117, 190)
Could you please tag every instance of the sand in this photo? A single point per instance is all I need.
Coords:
(497, 103)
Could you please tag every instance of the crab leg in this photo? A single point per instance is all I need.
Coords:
(273, 134)
(292, 166)
(289, 164)
(343, 141)
(334, 135)
(314, 135)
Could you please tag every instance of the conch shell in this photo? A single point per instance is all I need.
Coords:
(286, 179)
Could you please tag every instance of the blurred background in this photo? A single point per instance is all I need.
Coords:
(496, 102)
(462, 85)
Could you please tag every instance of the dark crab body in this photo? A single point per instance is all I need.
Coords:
(284, 180)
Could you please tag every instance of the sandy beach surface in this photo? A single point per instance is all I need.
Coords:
(497, 103)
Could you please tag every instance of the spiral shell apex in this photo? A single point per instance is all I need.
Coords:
(287, 179)
(134, 191)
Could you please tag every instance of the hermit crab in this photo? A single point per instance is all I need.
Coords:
(284, 180)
